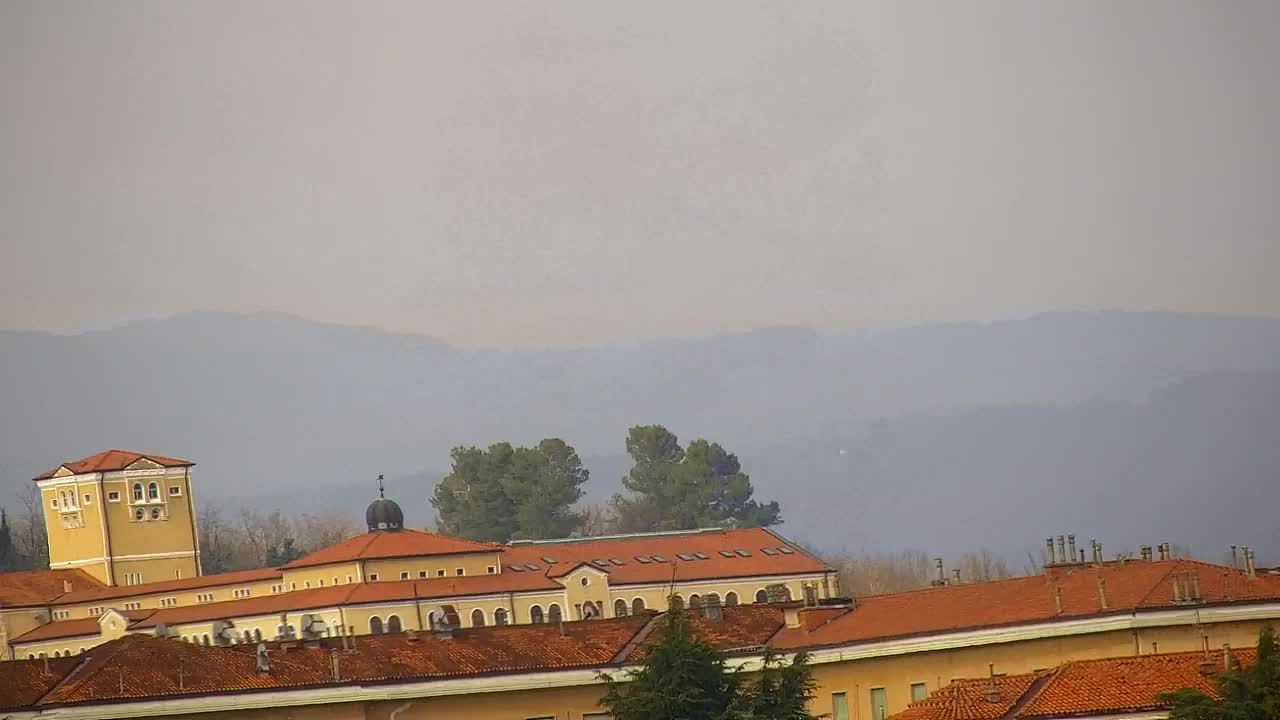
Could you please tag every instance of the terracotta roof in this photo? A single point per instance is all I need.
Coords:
(23, 682)
(742, 628)
(73, 628)
(970, 699)
(40, 587)
(1127, 684)
(164, 586)
(669, 547)
(1130, 586)
(109, 460)
(391, 544)
(1108, 686)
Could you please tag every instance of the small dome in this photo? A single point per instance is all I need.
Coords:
(383, 514)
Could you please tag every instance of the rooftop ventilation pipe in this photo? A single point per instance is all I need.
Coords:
(1062, 549)
(1071, 547)
(1048, 551)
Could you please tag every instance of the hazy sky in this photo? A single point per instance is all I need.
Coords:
(563, 173)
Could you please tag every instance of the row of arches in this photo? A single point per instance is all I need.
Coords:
(65, 652)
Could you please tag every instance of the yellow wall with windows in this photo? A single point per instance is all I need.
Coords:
(471, 564)
(16, 621)
(655, 598)
(84, 540)
(151, 601)
(321, 576)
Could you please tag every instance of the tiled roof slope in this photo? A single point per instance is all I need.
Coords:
(742, 628)
(73, 628)
(709, 543)
(1130, 586)
(1127, 684)
(1108, 686)
(973, 699)
(201, 581)
(40, 587)
(399, 543)
(110, 460)
(23, 682)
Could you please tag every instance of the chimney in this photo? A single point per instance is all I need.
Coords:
(410, 635)
(1048, 551)
(1155, 648)
(1195, 585)
(1102, 593)
(1145, 552)
(1235, 562)
(1177, 588)
(712, 612)
(333, 665)
(1062, 549)
(1249, 557)
(263, 665)
(955, 576)
(810, 596)
(993, 690)
(1100, 557)
(1071, 547)
(1164, 551)
(942, 575)
(1244, 551)
(1227, 660)
(66, 586)
(1057, 599)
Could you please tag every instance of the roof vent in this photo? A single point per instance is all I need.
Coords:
(263, 665)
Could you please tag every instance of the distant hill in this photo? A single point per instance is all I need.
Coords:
(943, 426)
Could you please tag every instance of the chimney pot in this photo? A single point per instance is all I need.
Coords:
(1048, 551)
(1177, 588)
(1062, 549)
(942, 575)
(1235, 562)
(955, 576)
(1195, 585)
(1071, 547)
(1227, 660)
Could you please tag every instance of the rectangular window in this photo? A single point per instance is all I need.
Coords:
(491, 570)
(404, 575)
(241, 592)
(169, 602)
(95, 611)
(88, 499)
(440, 572)
(348, 579)
(204, 597)
(113, 496)
(879, 704)
(373, 577)
(422, 573)
(919, 691)
(54, 503)
(132, 606)
(175, 490)
(839, 706)
(460, 571)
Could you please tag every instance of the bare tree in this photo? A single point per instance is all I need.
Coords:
(983, 565)
(30, 541)
(597, 520)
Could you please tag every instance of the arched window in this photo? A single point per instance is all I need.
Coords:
(477, 618)
(619, 608)
(730, 599)
(257, 635)
(786, 593)
(56, 654)
(535, 614)
(204, 639)
(637, 606)
(137, 492)
(31, 656)
(695, 601)
(63, 498)
(248, 636)
(553, 613)
(500, 616)
(713, 599)
(762, 596)
(153, 491)
(81, 651)
(677, 602)
(375, 625)
(393, 624)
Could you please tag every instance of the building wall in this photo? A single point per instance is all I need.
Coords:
(182, 598)
(321, 576)
(172, 533)
(471, 564)
(655, 597)
(937, 669)
(81, 545)
(16, 621)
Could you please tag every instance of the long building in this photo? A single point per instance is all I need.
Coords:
(105, 510)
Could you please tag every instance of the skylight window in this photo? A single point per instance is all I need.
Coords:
(600, 563)
(548, 560)
(617, 561)
(727, 553)
(643, 560)
(701, 556)
(684, 556)
(742, 553)
(786, 551)
(768, 551)
(516, 568)
(658, 558)
(531, 566)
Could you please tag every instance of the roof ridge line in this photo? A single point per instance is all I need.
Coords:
(641, 635)
(1037, 686)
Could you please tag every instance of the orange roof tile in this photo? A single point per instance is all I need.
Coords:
(23, 682)
(164, 586)
(973, 699)
(1126, 684)
(109, 460)
(40, 587)
(742, 628)
(710, 543)
(391, 544)
(1129, 586)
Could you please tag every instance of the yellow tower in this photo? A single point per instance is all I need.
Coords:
(124, 517)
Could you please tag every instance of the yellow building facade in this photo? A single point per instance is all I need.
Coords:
(123, 517)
